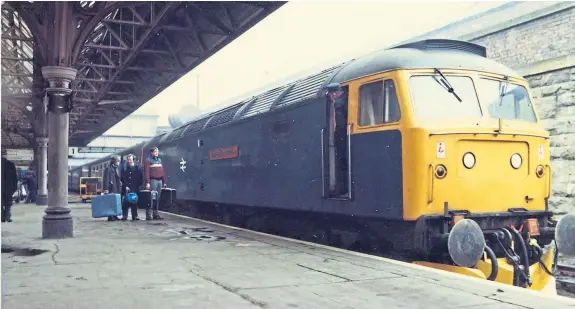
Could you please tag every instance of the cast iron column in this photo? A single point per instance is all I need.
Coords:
(42, 171)
(58, 223)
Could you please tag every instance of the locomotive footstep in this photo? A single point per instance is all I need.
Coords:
(565, 234)
(466, 243)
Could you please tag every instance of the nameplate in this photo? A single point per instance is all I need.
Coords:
(224, 153)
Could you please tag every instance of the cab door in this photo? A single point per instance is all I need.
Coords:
(375, 146)
(335, 148)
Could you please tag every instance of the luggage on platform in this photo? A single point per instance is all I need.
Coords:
(145, 198)
(167, 199)
(106, 205)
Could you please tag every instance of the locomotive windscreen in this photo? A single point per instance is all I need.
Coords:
(506, 100)
(431, 100)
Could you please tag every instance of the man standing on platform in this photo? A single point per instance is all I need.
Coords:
(9, 186)
(155, 180)
(131, 182)
(112, 180)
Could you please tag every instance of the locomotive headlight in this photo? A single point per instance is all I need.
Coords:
(516, 161)
(539, 171)
(469, 160)
(440, 171)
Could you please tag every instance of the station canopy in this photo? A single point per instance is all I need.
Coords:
(125, 54)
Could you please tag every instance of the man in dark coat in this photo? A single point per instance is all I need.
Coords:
(131, 181)
(112, 180)
(9, 186)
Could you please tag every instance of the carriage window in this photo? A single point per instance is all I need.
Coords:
(431, 100)
(506, 100)
(378, 103)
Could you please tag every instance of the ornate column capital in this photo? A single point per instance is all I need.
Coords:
(58, 94)
(42, 141)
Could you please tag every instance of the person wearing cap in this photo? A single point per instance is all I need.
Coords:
(338, 113)
(9, 186)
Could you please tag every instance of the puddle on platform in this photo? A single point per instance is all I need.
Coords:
(197, 233)
(22, 251)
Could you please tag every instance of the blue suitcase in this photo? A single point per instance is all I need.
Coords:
(106, 205)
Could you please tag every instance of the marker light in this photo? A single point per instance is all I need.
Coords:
(469, 160)
(440, 171)
(539, 171)
(516, 161)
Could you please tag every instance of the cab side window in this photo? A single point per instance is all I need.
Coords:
(378, 103)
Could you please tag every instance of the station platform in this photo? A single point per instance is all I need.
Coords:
(188, 263)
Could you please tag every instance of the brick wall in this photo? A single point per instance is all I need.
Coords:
(541, 39)
(554, 92)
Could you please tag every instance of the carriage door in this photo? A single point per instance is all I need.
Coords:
(336, 149)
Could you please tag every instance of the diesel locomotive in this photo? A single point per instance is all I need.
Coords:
(432, 149)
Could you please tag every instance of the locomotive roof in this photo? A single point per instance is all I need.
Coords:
(423, 55)
(431, 53)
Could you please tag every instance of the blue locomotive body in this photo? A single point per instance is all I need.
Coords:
(274, 160)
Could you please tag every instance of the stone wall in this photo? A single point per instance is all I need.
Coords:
(540, 43)
(554, 95)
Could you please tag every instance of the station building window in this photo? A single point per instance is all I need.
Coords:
(378, 103)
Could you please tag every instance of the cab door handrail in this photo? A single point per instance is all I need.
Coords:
(430, 184)
(349, 186)
(322, 163)
(548, 167)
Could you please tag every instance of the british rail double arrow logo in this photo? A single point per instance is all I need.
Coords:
(183, 165)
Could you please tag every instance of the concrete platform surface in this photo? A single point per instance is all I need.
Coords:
(188, 263)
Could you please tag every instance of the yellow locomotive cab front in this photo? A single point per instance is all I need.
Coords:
(479, 148)
(478, 161)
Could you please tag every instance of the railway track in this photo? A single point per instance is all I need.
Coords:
(565, 277)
